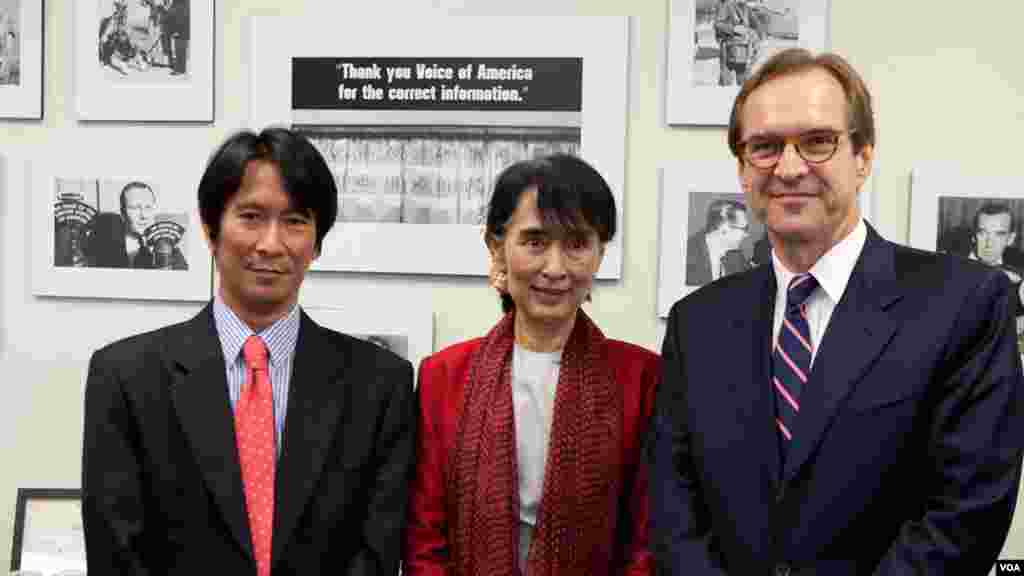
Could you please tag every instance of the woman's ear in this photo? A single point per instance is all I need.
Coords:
(498, 271)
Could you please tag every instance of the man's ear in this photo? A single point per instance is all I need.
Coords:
(209, 239)
(864, 158)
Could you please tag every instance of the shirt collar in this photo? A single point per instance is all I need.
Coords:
(280, 337)
(834, 268)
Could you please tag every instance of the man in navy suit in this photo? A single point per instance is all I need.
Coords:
(868, 418)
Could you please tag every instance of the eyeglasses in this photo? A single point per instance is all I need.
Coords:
(815, 147)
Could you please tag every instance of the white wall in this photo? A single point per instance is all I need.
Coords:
(946, 78)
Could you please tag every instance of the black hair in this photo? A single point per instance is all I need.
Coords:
(991, 208)
(722, 211)
(570, 194)
(305, 176)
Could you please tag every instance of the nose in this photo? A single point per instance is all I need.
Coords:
(270, 240)
(554, 261)
(791, 165)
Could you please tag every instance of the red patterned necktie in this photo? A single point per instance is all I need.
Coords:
(254, 434)
(791, 360)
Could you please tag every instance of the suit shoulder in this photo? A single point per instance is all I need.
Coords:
(364, 351)
(727, 290)
(132, 348)
(933, 269)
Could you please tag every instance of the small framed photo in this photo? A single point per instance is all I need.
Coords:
(102, 231)
(974, 217)
(21, 59)
(48, 535)
(706, 231)
(144, 60)
(714, 45)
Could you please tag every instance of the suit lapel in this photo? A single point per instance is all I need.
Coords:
(200, 392)
(857, 333)
(749, 381)
(315, 400)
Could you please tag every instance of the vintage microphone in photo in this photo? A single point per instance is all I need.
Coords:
(71, 219)
(163, 238)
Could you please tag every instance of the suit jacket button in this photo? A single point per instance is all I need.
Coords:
(782, 570)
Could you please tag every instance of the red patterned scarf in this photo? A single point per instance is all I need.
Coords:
(576, 520)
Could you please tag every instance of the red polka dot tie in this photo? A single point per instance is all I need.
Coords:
(254, 434)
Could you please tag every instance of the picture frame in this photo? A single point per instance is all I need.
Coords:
(48, 535)
(978, 217)
(101, 230)
(22, 38)
(688, 190)
(150, 61)
(700, 91)
(284, 93)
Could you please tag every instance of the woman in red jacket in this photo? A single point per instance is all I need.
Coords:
(529, 438)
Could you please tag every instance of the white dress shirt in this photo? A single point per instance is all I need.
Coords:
(832, 271)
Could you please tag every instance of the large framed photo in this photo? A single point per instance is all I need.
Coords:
(715, 44)
(706, 230)
(21, 59)
(416, 126)
(144, 60)
(48, 536)
(975, 217)
(102, 231)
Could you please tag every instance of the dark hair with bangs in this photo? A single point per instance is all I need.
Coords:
(570, 193)
(305, 176)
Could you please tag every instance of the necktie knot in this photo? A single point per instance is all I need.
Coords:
(255, 353)
(800, 289)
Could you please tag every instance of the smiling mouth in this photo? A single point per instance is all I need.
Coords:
(551, 292)
(265, 271)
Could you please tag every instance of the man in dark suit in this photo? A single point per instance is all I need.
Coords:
(249, 440)
(867, 418)
(715, 251)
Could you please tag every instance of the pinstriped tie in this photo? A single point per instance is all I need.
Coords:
(791, 359)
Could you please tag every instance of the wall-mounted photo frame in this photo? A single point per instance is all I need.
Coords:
(99, 230)
(975, 217)
(715, 44)
(416, 126)
(706, 230)
(48, 535)
(22, 34)
(144, 60)
(406, 330)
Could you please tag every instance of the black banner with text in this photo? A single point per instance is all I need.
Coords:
(520, 84)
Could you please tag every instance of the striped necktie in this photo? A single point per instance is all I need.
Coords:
(791, 359)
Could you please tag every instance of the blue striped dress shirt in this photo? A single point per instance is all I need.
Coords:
(280, 338)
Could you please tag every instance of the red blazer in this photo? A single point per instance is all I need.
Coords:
(441, 378)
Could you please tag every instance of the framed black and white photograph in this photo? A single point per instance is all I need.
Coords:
(48, 535)
(714, 45)
(706, 230)
(118, 234)
(21, 59)
(416, 130)
(144, 60)
(406, 328)
(974, 217)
